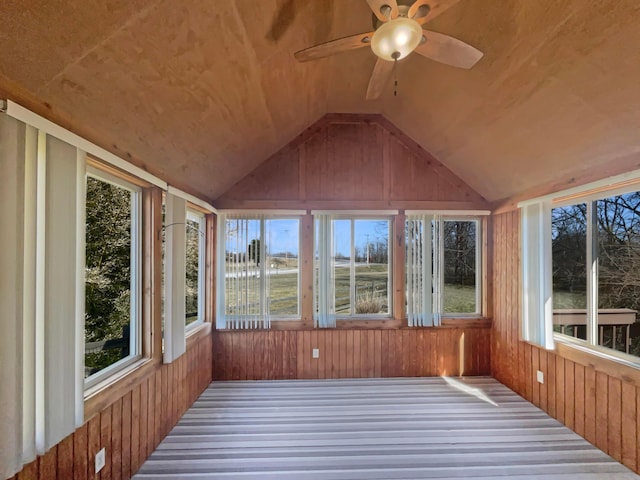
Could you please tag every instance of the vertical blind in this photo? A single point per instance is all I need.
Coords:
(537, 307)
(324, 315)
(174, 284)
(42, 292)
(423, 270)
(243, 279)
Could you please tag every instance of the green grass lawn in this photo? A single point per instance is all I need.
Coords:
(371, 280)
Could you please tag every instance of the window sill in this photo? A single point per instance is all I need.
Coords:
(600, 361)
(197, 332)
(372, 324)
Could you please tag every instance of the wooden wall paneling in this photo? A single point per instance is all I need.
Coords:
(135, 428)
(93, 444)
(151, 418)
(354, 352)
(590, 405)
(80, 456)
(579, 399)
(29, 472)
(569, 397)
(126, 435)
(356, 159)
(602, 408)
(47, 464)
(560, 410)
(377, 366)
(535, 386)
(116, 440)
(614, 418)
(105, 442)
(550, 379)
(65, 460)
(628, 435)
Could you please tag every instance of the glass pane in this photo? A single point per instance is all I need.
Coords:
(618, 245)
(242, 267)
(569, 264)
(342, 265)
(108, 275)
(371, 239)
(459, 268)
(194, 237)
(283, 241)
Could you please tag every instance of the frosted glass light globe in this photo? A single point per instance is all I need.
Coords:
(399, 36)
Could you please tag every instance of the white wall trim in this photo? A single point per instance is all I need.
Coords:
(190, 198)
(450, 213)
(27, 116)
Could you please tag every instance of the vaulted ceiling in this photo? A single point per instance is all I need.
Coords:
(201, 92)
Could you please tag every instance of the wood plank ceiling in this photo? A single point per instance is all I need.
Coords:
(200, 92)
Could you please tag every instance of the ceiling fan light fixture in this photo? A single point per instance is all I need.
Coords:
(396, 38)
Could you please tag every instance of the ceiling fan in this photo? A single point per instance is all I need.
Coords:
(398, 32)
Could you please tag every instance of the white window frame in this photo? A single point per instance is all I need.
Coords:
(135, 329)
(262, 217)
(591, 343)
(479, 286)
(196, 216)
(374, 216)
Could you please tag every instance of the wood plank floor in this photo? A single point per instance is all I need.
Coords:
(394, 428)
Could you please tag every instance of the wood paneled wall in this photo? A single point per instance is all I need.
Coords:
(131, 427)
(351, 161)
(350, 353)
(585, 394)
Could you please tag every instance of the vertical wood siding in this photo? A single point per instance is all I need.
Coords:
(131, 427)
(354, 158)
(602, 408)
(350, 353)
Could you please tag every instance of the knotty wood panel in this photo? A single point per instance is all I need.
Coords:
(355, 158)
(126, 428)
(602, 407)
(287, 354)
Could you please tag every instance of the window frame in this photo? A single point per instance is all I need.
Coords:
(222, 246)
(136, 316)
(194, 214)
(353, 217)
(590, 198)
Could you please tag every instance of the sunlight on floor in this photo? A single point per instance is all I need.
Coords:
(476, 392)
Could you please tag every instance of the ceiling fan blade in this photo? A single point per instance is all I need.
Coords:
(448, 50)
(379, 78)
(377, 6)
(282, 20)
(435, 8)
(334, 46)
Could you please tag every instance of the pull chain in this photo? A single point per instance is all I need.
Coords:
(395, 56)
(395, 78)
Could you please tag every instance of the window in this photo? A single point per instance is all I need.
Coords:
(442, 268)
(195, 263)
(596, 271)
(260, 270)
(460, 268)
(112, 279)
(352, 259)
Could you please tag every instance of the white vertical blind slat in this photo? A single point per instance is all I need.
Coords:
(424, 253)
(243, 277)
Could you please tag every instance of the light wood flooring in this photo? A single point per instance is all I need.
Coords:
(394, 428)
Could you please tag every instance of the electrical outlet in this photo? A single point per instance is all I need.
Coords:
(100, 460)
(540, 376)
(315, 353)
